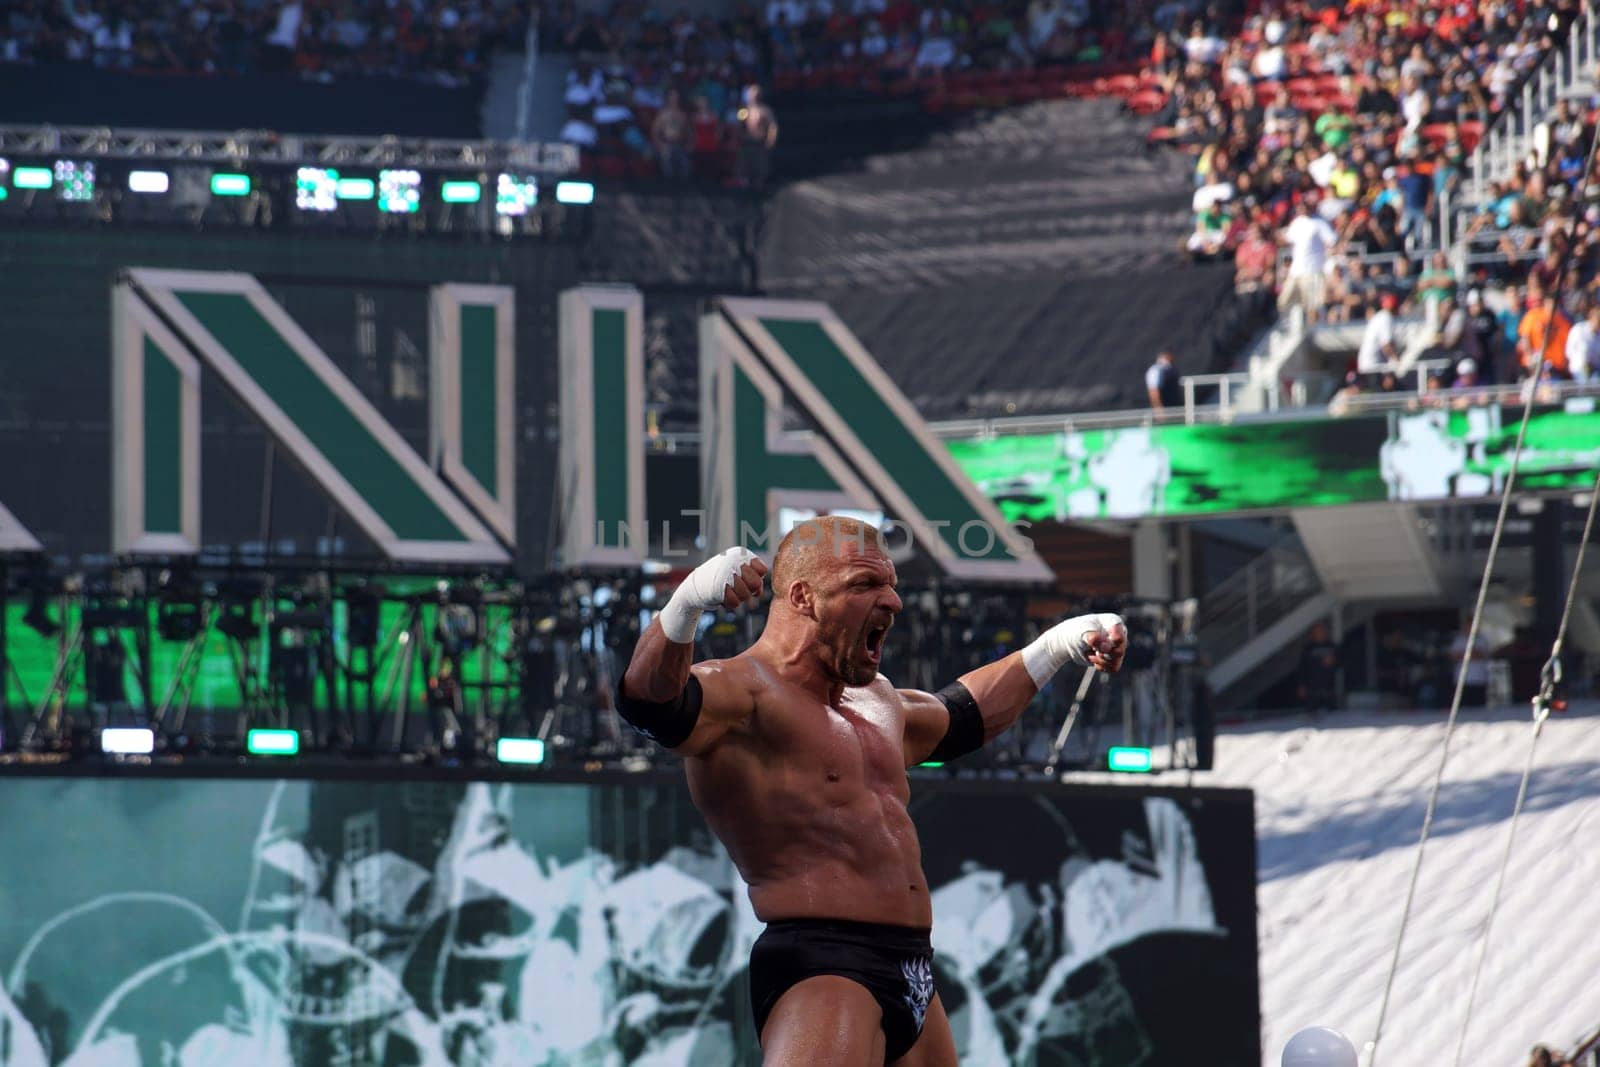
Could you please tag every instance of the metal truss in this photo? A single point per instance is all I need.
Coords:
(242, 147)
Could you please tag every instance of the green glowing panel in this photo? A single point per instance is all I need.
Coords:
(272, 742)
(230, 185)
(1129, 760)
(1144, 471)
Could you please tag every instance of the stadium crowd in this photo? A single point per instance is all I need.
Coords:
(448, 42)
(660, 92)
(1326, 138)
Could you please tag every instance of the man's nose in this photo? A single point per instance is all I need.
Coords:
(892, 602)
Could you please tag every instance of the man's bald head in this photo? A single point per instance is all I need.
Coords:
(813, 547)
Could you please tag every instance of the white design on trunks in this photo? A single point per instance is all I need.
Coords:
(918, 971)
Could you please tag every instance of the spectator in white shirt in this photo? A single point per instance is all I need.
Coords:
(1270, 64)
(1202, 47)
(1161, 383)
(1583, 345)
(1415, 104)
(1378, 349)
(1310, 239)
(586, 86)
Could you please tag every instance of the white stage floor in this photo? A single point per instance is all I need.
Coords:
(1338, 810)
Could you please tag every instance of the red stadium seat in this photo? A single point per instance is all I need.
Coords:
(1122, 84)
(1146, 103)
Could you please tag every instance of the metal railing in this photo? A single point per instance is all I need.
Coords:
(530, 69)
(1226, 385)
(238, 147)
(688, 441)
(1506, 140)
(1251, 600)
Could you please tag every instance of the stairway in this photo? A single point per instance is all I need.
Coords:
(1341, 562)
(498, 112)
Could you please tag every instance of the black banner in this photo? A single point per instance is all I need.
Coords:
(414, 921)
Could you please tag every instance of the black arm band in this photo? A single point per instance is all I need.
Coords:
(965, 733)
(668, 723)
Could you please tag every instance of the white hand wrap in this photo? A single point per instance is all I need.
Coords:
(1065, 641)
(700, 592)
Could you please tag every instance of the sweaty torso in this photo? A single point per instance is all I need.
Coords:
(810, 801)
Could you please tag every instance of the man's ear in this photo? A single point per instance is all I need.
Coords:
(802, 598)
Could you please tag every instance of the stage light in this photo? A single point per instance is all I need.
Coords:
(527, 750)
(74, 181)
(516, 194)
(574, 193)
(461, 192)
(226, 184)
(399, 191)
(316, 189)
(149, 181)
(356, 189)
(32, 178)
(1129, 760)
(272, 742)
(127, 741)
(932, 763)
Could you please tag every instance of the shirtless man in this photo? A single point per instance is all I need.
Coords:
(758, 134)
(796, 752)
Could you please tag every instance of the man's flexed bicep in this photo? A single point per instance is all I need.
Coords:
(665, 697)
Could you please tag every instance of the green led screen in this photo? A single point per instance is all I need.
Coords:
(1144, 471)
(33, 659)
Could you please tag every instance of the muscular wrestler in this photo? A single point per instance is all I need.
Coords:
(796, 752)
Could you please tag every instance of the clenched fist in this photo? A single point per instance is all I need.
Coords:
(726, 580)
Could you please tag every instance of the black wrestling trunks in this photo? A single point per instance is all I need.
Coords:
(894, 963)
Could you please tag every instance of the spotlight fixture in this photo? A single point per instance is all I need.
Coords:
(272, 742)
(1129, 760)
(524, 750)
(127, 741)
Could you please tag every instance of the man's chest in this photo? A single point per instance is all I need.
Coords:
(859, 740)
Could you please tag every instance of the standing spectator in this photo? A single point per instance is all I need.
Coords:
(672, 136)
(1416, 205)
(1378, 352)
(1161, 383)
(1480, 343)
(1583, 344)
(1310, 239)
(1319, 672)
(758, 133)
(1543, 322)
(1255, 263)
